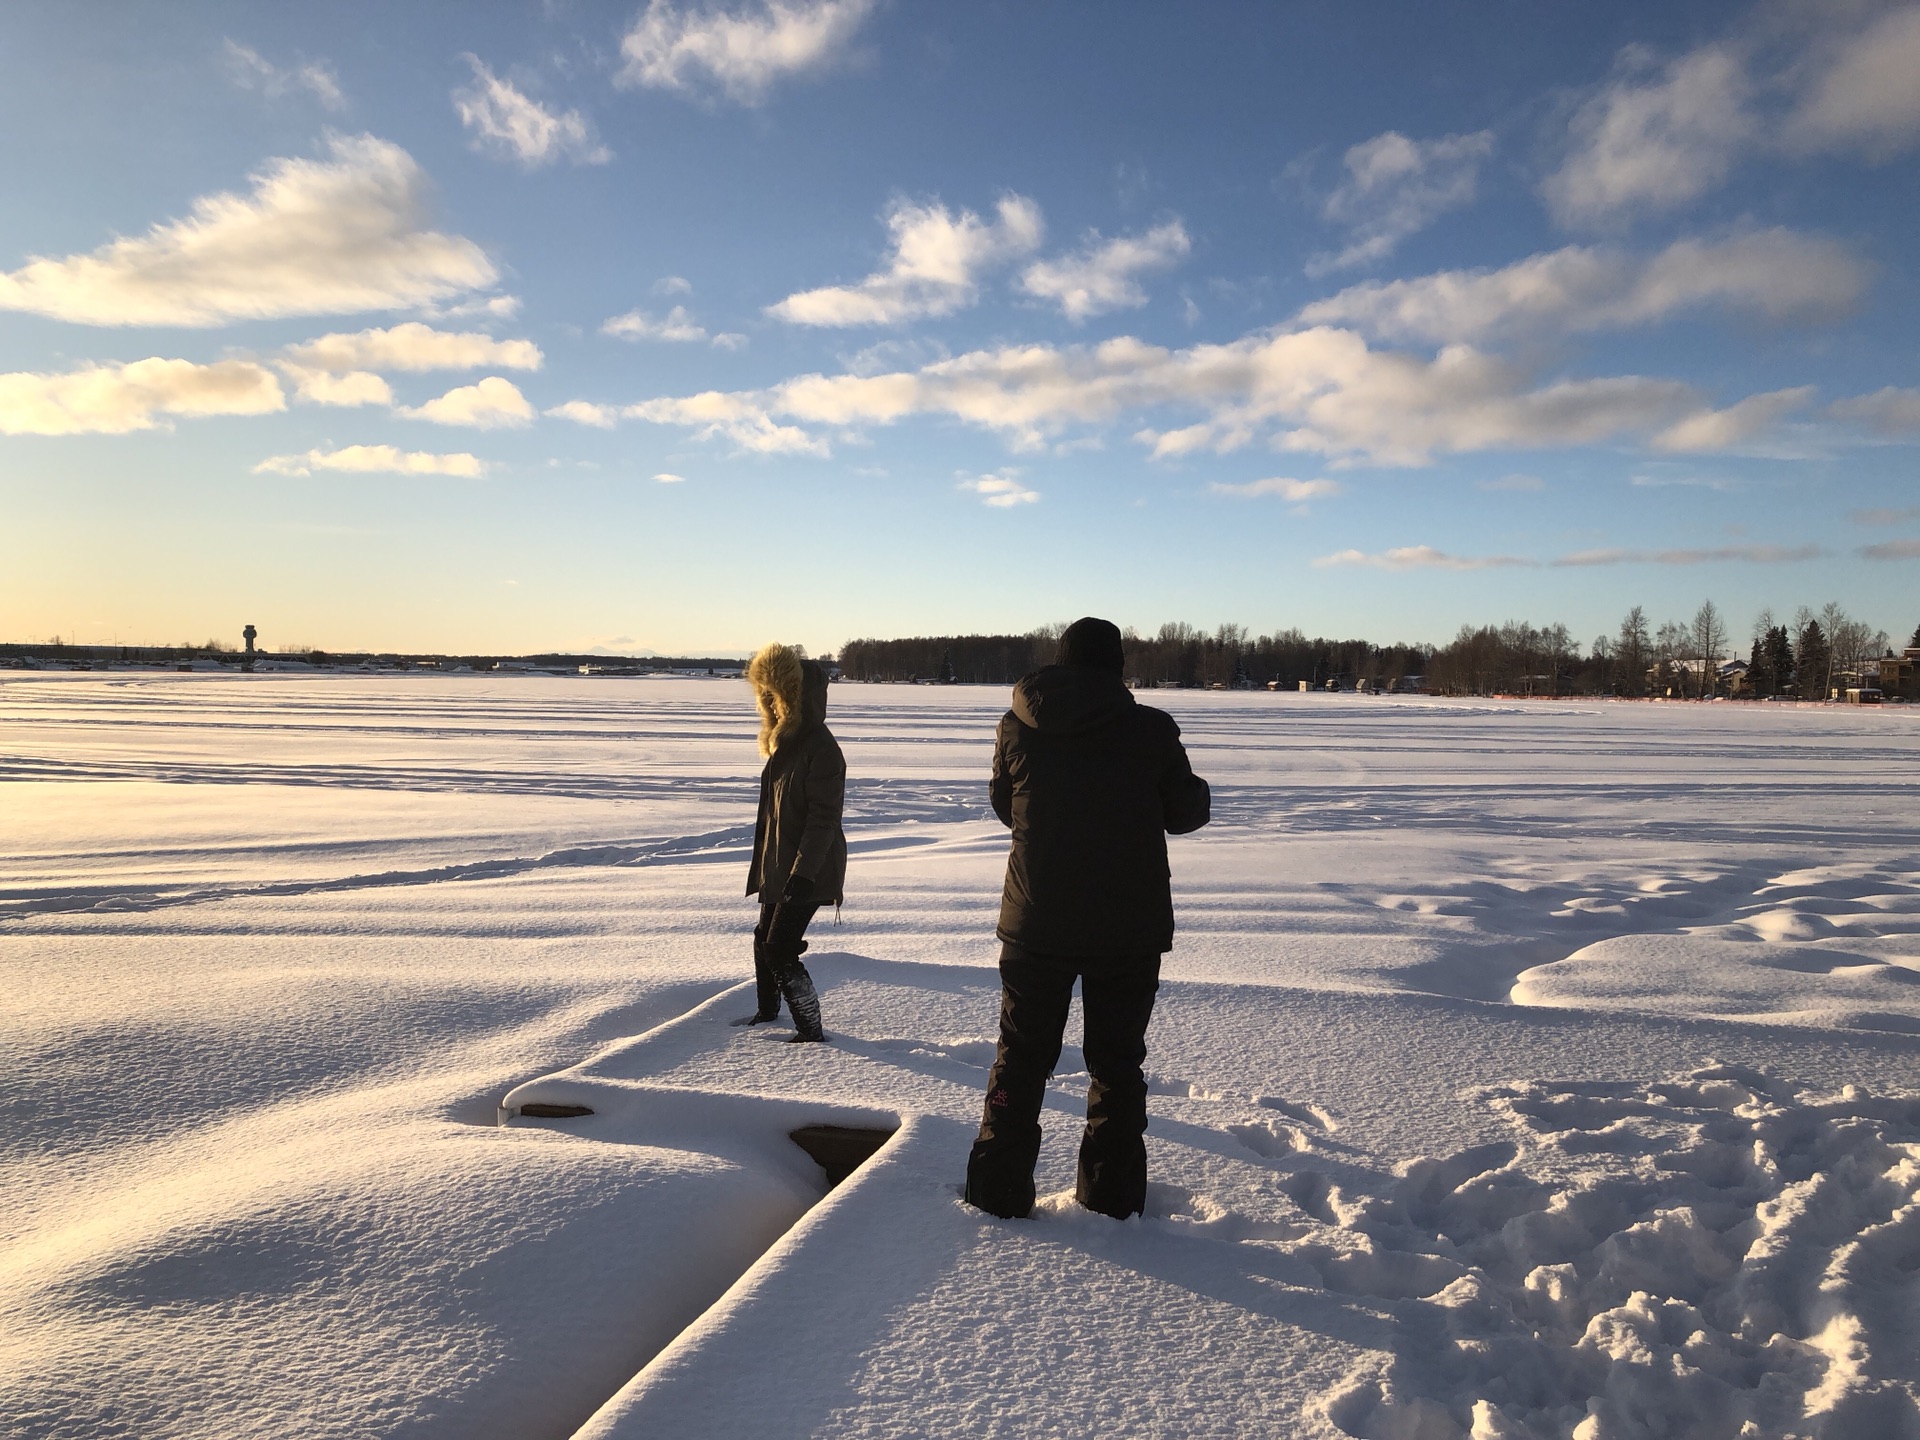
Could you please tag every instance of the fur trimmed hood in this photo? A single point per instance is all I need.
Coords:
(790, 690)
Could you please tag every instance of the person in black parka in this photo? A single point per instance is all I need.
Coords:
(799, 848)
(1091, 784)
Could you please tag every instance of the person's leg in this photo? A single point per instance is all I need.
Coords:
(766, 984)
(1113, 1156)
(1034, 996)
(783, 946)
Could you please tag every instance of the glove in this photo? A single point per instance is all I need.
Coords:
(799, 891)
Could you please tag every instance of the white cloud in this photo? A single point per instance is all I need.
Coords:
(1421, 557)
(1751, 554)
(507, 123)
(114, 399)
(414, 347)
(327, 387)
(673, 285)
(489, 404)
(252, 71)
(1714, 430)
(1295, 490)
(1807, 79)
(1103, 275)
(1513, 482)
(373, 460)
(1320, 391)
(1892, 550)
(934, 267)
(1867, 94)
(1396, 186)
(585, 412)
(1778, 274)
(638, 325)
(737, 418)
(316, 237)
(1891, 411)
(742, 53)
(1653, 141)
(667, 478)
(1001, 489)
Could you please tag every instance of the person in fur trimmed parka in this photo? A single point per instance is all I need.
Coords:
(799, 850)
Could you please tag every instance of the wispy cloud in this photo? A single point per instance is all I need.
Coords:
(1295, 490)
(114, 399)
(668, 478)
(1422, 557)
(1515, 482)
(1892, 550)
(1748, 554)
(1862, 95)
(1661, 133)
(1885, 517)
(675, 326)
(933, 269)
(510, 124)
(1319, 391)
(1104, 275)
(1719, 430)
(250, 70)
(1776, 274)
(1002, 489)
(1891, 411)
(1396, 187)
(740, 53)
(373, 460)
(414, 347)
(1655, 136)
(489, 404)
(316, 237)
(328, 387)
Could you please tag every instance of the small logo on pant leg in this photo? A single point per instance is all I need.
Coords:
(998, 1098)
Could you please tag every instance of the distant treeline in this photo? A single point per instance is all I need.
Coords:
(1176, 654)
(227, 653)
(1811, 656)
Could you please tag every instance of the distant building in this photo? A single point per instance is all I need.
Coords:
(1899, 675)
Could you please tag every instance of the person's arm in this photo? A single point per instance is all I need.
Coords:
(1000, 787)
(825, 788)
(1186, 801)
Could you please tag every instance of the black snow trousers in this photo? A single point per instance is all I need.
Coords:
(778, 942)
(1035, 990)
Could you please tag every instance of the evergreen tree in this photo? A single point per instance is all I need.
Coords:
(947, 677)
(1779, 650)
(1914, 643)
(1811, 660)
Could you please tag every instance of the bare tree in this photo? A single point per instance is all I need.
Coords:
(1633, 651)
(1832, 617)
(1709, 643)
(1560, 648)
(1671, 643)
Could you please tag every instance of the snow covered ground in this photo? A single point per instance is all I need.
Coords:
(1522, 1070)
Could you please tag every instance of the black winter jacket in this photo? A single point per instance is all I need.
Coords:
(803, 788)
(1091, 784)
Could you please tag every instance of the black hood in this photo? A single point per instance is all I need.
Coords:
(813, 693)
(1070, 699)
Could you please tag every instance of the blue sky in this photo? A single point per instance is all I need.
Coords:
(681, 327)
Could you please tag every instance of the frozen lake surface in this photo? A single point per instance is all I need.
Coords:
(1523, 1069)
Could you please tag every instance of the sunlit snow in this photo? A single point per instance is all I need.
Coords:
(1522, 1070)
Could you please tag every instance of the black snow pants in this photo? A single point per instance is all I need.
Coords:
(778, 941)
(1035, 990)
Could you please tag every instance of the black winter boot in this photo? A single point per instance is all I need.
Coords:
(766, 988)
(803, 1001)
